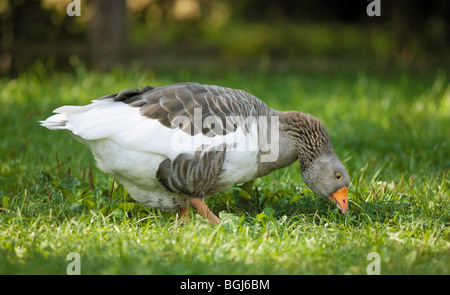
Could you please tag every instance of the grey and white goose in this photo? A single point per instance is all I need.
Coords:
(174, 145)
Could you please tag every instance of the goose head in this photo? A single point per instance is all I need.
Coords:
(327, 177)
(321, 169)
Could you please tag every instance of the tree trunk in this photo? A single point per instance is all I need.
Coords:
(107, 32)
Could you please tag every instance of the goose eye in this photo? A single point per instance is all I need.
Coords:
(338, 176)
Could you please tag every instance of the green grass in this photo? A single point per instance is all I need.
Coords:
(390, 130)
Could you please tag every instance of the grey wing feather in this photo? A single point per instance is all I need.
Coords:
(167, 103)
(192, 174)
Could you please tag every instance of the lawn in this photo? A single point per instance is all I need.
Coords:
(391, 131)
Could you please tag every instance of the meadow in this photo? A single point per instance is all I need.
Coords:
(390, 129)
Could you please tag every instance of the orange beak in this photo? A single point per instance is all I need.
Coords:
(341, 200)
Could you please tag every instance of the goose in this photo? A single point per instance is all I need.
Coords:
(172, 146)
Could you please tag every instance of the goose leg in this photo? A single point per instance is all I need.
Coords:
(184, 214)
(204, 210)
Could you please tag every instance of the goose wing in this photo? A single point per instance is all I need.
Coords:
(195, 108)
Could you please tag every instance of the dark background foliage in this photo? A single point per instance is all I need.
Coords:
(206, 33)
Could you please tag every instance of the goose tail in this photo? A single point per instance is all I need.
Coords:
(59, 121)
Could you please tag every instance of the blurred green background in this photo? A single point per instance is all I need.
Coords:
(213, 34)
